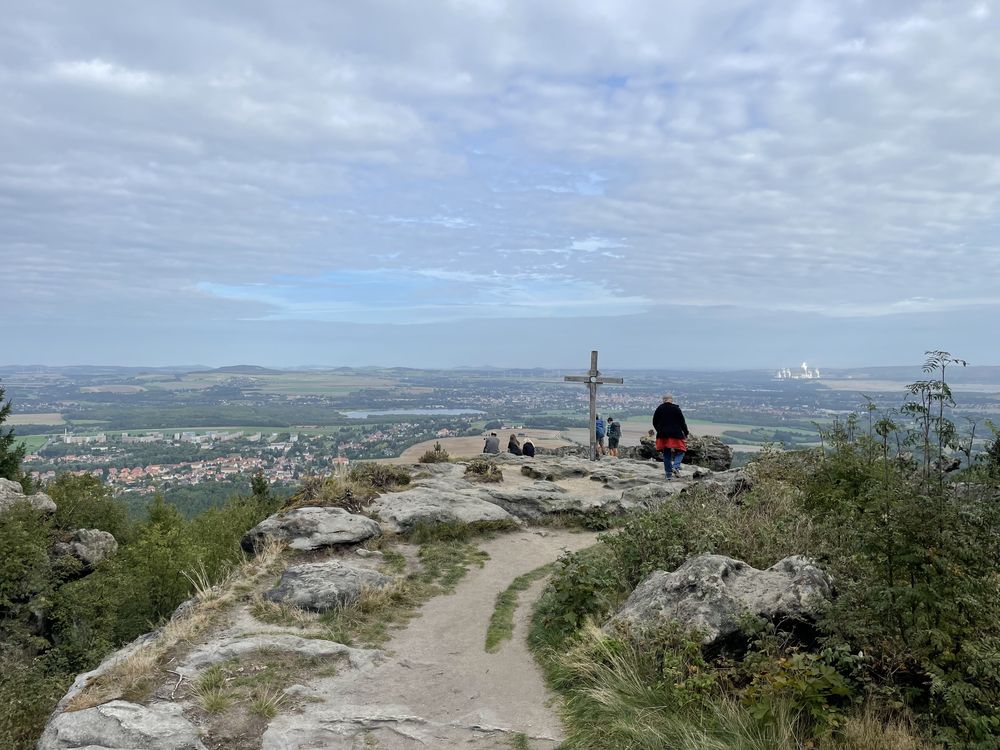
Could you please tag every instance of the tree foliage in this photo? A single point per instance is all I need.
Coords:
(11, 453)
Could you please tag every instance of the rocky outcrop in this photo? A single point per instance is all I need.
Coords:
(312, 528)
(120, 725)
(553, 469)
(732, 484)
(325, 585)
(711, 593)
(11, 493)
(89, 546)
(534, 503)
(219, 651)
(446, 500)
(702, 450)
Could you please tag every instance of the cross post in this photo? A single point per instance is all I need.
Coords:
(593, 379)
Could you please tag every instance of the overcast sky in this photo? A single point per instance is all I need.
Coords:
(468, 182)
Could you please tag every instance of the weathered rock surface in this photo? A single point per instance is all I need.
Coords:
(712, 592)
(533, 503)
(11, 493)
(703, 450)
(733, 484)
(218, 651)
(312, 528)
(325, 585)
(120, 725)
(89, 546)
(437, 502)
(553, 469)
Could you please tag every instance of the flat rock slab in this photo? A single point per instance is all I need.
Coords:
(532, 504)
(554, 468)
(11, 493)
(120, 725)
(325, 585)
(312, 528)
(216, 652)
(437, 502)
(712, 593)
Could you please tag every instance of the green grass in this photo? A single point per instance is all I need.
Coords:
(519, 741)
(424, 533)
(501, 626)
(32, 442)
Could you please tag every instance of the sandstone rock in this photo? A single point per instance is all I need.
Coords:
(120, 725)
(703, 450)
(89, 546)
(450, 501)
(712, 592)
(11, 493)
(733, 484)
(532, 504)
(311, 528)
(216, 652)
(708, 451)
(325, 585)
(555, 468)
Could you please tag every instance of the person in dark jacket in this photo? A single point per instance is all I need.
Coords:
(492, 444)
(671, 433)
(528, 448)
(513, 446)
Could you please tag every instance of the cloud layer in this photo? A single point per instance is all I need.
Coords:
(395, 163)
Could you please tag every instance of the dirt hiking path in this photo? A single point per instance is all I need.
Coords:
(438, 688)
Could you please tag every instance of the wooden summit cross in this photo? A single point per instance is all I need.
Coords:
(592, 379)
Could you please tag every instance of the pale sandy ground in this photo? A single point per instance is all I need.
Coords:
(439, 687)
(465, 447)
(38, 418)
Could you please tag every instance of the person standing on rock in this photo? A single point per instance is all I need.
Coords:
(492, 444)
(513, 446)
(614, 436)
(671, 433)
(600, 435)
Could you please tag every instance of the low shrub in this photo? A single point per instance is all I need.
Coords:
(481, 470)
(436, 455)
(380, 477)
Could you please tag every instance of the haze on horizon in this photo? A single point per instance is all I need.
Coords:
(733, 184)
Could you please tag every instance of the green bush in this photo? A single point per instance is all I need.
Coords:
(437, 455)
(83, 502)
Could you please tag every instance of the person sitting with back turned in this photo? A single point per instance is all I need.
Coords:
(528, 448)
(647, 447)
(492, 444)
(671, 431)
(513, 446)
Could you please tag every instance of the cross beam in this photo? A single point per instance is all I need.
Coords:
(593, 379)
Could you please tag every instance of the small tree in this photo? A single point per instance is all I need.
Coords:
(11, 455)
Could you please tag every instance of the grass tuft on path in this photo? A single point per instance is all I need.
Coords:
(501, 626)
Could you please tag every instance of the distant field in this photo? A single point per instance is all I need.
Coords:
(52, 418)
(121, 388)
(899, 386)
(290, 383)
(32, 442)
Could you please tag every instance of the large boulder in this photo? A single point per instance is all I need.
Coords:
(312, 528)
(702, 450)
(89, 546)
(120, 725)
(325, 585)
(437, 502)
(708, 451)
(711, 593)
(533, 503)
(11, 493)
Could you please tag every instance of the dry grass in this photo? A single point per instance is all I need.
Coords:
(282, 613)
(134, 676)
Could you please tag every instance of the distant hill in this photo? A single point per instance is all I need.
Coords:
(245, 370)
